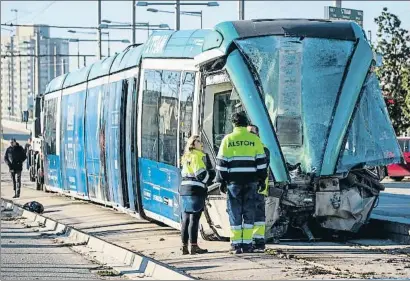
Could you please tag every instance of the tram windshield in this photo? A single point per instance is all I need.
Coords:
(300, 80)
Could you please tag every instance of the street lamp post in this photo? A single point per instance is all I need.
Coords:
(177, 13)
(133, 22)
(28, 48)
(177, 4)
(338, 3)
(21, 91)
(187, 13)
(95, 40)
(92, 33)
(32, 64)
(133, 26)
(78, 54)
(38, 87)
(99, 30)
(55, 59)
(241, 9)
(126, 41)
(108, 42)
(16, 11)
(11, 110)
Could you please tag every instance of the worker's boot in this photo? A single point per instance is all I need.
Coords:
(184, 250)
(196, 250)
(259, 245)
(235, 250)
(247, 248)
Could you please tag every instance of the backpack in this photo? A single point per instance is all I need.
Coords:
(34, 206)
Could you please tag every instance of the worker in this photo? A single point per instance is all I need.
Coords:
(241, 164)
(258, 238)
(193, 192)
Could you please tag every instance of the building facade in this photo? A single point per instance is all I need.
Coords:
(18, 68)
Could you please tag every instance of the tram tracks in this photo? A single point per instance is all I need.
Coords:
(350, 259)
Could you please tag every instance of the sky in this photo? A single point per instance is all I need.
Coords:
(84, 13)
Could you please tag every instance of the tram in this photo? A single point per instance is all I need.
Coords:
(114, 131)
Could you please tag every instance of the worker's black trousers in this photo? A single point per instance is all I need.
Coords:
(16, 178)
(190, 225)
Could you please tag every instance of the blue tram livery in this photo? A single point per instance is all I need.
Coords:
(114, 131)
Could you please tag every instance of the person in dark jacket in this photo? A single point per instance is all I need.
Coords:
(193, 192)
(14, 158)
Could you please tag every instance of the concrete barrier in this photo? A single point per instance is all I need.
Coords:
(125, 262)
(19, 126)
(398, 231)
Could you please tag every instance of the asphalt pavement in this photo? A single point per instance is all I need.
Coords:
(394, 202)
(27, 255)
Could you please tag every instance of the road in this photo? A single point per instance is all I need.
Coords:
(357, 259)
(394, 202)
(27, 255)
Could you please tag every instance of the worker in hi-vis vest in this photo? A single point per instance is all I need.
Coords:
(193, 192)
(258, 238)
(241, 165)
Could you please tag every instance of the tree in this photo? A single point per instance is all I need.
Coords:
(393, 42)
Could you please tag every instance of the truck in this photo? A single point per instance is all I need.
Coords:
(35, 157)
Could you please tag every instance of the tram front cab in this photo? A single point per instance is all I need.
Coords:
(309, 86)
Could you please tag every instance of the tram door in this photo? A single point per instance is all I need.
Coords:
(219, 101)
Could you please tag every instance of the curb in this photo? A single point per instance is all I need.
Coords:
(394, 230)
(384, 227)
(132, 265)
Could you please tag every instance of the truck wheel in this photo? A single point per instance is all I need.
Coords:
(39, 186)
(39, 181)
(31, 172)
(397, 178)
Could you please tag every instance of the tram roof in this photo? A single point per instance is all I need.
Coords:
(186, 44)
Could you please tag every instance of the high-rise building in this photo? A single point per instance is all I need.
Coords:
(18, 68)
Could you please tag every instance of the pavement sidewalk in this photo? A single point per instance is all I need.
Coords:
(285, 261)
(150, 239)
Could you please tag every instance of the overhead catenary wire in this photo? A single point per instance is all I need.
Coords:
(21, 11)
(31, 12)
(79, 27)
(50, 26)
(43, 10)
(59, 55)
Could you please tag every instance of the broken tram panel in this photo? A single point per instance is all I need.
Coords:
(321, 113)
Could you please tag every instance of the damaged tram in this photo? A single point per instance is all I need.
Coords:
(114, 131)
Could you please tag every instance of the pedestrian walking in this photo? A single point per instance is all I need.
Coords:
(258, 238)
(27, 149)
(14, 158)
(193, 192)
(241, 165)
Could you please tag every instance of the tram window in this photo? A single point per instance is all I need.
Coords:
(150, 112)
(51, 125)
(168, 117)
(186, 108)
(225, 104)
